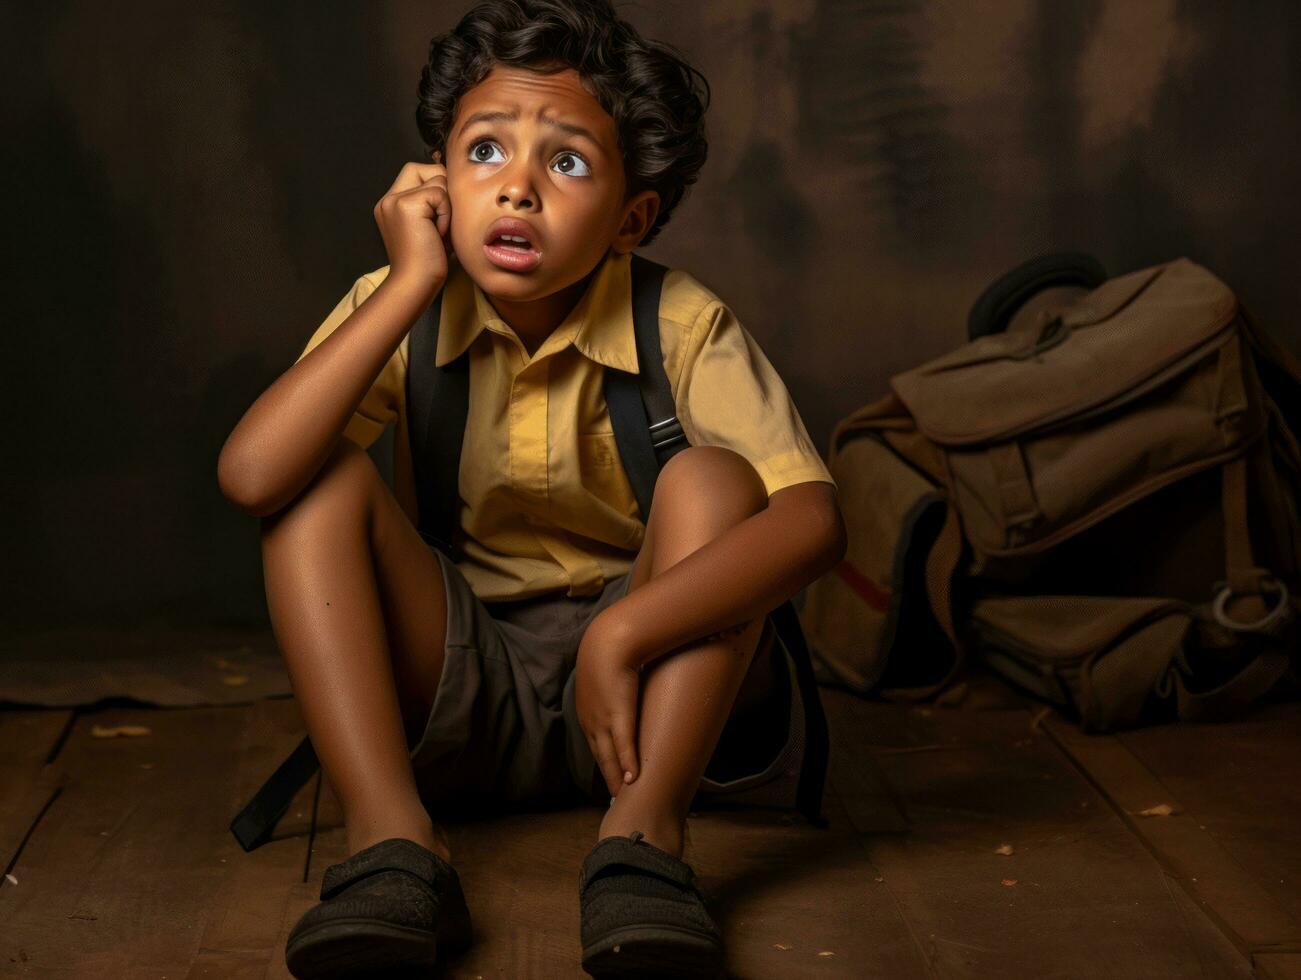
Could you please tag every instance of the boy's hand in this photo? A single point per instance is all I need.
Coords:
(414, 217)
(606, 694)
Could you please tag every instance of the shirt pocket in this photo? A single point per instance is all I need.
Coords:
(602, 473)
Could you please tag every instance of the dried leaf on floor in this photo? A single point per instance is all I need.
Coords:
(1009, 882)
(1160, 810)
(826, 952)
(235, 680)
(1003, 849)
(114, 731)
(782, 946)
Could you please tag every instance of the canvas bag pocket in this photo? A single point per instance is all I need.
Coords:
(1105, 660)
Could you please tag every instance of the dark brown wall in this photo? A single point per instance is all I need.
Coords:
(190, 191)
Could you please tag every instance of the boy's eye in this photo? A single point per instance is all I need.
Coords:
(477, 152)
(567, 162)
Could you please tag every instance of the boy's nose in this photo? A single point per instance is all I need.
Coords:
(517, 187)
(517, 198)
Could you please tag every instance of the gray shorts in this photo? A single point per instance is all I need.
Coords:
(503, 727)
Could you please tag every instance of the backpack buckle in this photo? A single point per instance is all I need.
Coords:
(666, 432)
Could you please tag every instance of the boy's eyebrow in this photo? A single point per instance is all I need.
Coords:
(497, 115)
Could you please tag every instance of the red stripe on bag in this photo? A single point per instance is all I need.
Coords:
(864, 587)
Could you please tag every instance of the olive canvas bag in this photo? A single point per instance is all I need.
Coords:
(1100, 503)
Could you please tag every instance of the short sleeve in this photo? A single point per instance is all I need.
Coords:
(379, 406)
(730, 395)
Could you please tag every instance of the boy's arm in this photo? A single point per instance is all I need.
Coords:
(287, 434)
(744, 573)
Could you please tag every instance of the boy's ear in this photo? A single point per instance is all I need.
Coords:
(638, 216)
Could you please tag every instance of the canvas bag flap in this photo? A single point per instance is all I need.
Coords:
(998, 386)
(1048, 431)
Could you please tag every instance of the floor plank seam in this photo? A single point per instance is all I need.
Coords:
(1127, 819)
(1207, 913)
(926, 955)
(861, 836)
(18, 851)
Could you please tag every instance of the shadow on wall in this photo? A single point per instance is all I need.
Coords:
(197, 190)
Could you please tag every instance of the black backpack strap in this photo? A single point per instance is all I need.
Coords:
(254, 824)
(666, 435)
(642, 412)
(438, 404)
(817, 741)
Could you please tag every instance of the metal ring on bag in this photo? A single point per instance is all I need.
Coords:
(1261, 625)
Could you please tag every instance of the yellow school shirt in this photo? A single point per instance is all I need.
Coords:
(545, 504)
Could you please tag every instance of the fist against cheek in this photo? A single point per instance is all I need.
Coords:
(414, 220)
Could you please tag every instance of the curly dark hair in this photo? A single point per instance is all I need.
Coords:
(656, 99)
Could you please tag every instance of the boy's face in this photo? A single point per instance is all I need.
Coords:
(538, 148)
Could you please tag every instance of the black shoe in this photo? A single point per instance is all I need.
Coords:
(642, 915)
(390, 907)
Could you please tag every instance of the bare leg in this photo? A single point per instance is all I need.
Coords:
(686, 695)
(357, 602)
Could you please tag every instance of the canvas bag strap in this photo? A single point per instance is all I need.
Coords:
(1249, 584)
(1245, 580)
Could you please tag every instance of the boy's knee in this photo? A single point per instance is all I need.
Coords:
(346, 480)
(716, 475)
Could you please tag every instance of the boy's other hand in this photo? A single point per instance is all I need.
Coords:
(415, 218)
(606, 695)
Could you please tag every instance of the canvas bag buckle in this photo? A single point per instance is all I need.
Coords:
(1269, 623)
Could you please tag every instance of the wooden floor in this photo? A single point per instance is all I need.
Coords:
(986, 840)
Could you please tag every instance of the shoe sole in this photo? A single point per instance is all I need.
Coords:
(352, 947)
(654, 951)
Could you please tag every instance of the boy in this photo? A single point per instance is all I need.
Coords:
(571, 639)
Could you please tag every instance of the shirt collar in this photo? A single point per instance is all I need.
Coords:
(600, 324)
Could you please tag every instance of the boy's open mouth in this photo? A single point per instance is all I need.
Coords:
(512, 244)
(508, 241)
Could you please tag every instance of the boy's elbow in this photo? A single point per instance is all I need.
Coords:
(832, 536)
(814, 510)
(837, 540)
